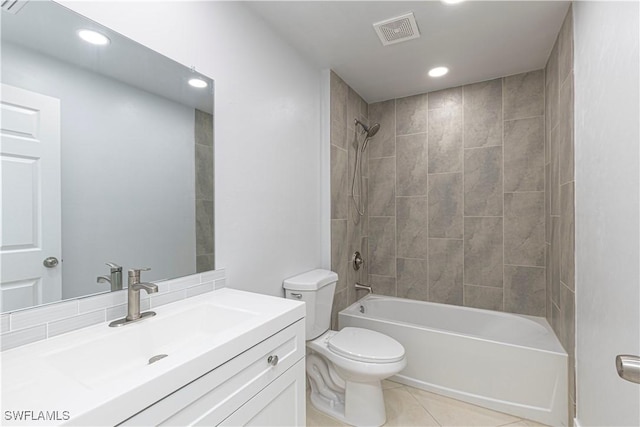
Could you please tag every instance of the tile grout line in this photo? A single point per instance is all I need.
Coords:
(525, 118)
(524, 191)
(483, 216)
(351, 220)
(481, 286)
(408, 388)
(484, 146)
(521, 265)
(544, 183)
(464, 196)
(448, 173)
(395, 193)
(427, 220)
(411, 134)
(504, 289)
(382, 157)
(457, 402)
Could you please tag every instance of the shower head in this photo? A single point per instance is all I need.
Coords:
(370, 131)
(373, 130)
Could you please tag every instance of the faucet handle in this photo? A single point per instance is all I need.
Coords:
(135, 272)
(114, 267)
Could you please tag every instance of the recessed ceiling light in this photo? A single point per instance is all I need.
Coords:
(199, 83)
(452, 1)
(94, 37)
(438, 71)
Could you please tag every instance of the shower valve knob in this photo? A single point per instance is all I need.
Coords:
(357, 260)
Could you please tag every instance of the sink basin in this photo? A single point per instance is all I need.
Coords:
(130, 348)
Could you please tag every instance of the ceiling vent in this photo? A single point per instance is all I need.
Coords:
(398, 29)
(12, 6)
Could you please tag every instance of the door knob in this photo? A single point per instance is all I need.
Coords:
(50, 262)
(628, 367)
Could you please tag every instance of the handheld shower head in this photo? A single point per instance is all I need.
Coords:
(369, 130)
(373, 130)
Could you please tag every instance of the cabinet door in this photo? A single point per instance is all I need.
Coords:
(281, 403)
(214, 396)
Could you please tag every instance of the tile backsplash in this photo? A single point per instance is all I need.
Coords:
(39, 323)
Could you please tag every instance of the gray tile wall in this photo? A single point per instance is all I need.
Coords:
(559, 200)
(34, 324)
(457, 205)
(349, 230)
(204, 190)
(470, 195)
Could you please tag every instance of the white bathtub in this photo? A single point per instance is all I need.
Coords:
(505, 362)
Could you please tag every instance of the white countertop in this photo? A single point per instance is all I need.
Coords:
(80, 372)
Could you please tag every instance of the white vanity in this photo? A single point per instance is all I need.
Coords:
(232, 358)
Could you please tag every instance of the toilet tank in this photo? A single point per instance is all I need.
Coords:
(316, 289)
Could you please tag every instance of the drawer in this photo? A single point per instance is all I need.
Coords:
(281, 403)
(213, 397)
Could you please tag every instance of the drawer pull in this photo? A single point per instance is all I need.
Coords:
(272, 360)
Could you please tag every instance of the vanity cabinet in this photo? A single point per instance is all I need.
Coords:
(281, 403)
(264, 385)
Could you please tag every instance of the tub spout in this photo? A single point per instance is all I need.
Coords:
(360, 286)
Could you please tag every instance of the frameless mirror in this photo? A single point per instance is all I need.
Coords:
(107, 157)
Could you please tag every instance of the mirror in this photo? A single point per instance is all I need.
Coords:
(107, 157)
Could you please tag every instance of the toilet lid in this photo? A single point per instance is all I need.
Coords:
(366, 346)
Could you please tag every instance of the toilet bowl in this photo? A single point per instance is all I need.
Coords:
(345, 368)
(361, 359)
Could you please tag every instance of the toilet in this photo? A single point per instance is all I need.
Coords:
(345, 368)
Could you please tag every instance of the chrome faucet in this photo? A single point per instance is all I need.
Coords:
(115, 278)
(135, 286)
(133, 305)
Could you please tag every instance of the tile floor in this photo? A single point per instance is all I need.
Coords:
(408, 406)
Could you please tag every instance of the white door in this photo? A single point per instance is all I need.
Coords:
(607, 145)
(31, 221)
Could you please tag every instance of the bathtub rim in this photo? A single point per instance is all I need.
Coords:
(352, 310)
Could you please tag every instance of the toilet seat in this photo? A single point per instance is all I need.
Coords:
(347, 388)
(365, 345)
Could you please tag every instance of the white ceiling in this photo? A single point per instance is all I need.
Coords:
(477, 40)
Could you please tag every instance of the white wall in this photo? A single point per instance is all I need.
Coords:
(267, 130)
(120, 167)
(607, 139)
